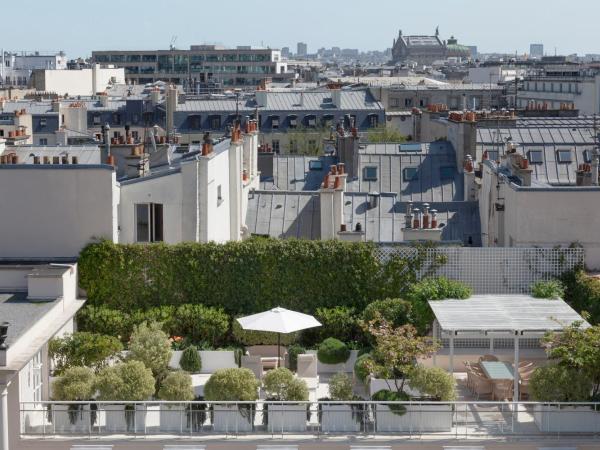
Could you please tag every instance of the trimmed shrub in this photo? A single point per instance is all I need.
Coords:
(340, 387)
(280, 384)
(190, 360)
(150, 345)
(386, 395)
(362, 367)
(333, 351)
(340, 321)
(104, 320)
(164, 314)
(75, 384)
(395, 311)
(129, 381)
(82, 349)
(249, 337)
(434, 382)
(559, 384)
(293, 352)
(199, 324)
(552, 289)
(177, 386)
(232, 385)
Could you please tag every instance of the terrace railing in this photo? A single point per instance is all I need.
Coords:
(459, 420)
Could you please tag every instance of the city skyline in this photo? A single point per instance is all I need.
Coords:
(330, 26)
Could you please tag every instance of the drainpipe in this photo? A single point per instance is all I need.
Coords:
(4, 416)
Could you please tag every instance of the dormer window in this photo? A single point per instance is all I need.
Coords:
(564, 156)
(535, 157)
(370, 173)
(410, 174)
(587, 156)
(293, 121)
(316, 164)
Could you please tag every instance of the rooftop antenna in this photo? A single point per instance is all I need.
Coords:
(172, 43)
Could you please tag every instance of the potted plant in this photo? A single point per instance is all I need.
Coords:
(128, 381)
(235, 384)
(75, 384)
(151, 345)
(337, 416)
(574, 377)
(281, 385)
(176, 387)
(393, 359)
(334, 356)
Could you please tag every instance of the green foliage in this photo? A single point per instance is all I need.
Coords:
(577, 348)
(190, 360)
(280, 384)
(101, 319)
(382, 134)
(82, 349)
(129, 381)
(395, 311)
(75, 384)
(582, 292)
(386, 395)
(293, 352)
(340, 321)
(552, 289)
(438, 288)
(177, 386)
(232, 385)
(434, 382)
(250, 337)
(291, 272)
(150, 345)
(340, 387)
(559, 384)
(201, 324)
(362, 367)
(333, 351)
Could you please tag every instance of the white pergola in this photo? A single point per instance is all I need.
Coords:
(501, 316)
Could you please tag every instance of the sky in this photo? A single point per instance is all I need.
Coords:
(80, 26)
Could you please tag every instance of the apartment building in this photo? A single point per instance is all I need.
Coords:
(199, 67)
(16, 67)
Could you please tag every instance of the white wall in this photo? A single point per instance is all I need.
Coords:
(79, 82)
(50, 212)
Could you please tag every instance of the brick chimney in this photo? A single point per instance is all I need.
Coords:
(332, 202)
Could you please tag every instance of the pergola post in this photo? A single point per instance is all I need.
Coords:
(435, 336)
(451, 357)
(516, 369)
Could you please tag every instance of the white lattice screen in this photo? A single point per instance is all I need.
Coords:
(494, 270)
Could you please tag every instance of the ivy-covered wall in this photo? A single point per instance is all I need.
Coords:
(241, 277)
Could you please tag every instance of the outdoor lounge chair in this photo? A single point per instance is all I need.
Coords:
(502, 390)
(488, 358)
(268, 355)
(254, 364)
(482, 385)
(307, 370)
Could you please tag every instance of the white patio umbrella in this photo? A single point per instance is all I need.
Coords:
(278, 320)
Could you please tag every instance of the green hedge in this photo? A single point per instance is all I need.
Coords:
(582, 292)
(241, 277)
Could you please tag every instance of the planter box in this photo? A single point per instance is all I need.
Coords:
(338, 418)
(418, 418)
(173, 418)
(346, 367)
(229, 419)
(568, 419)
(115, 419)
(61, 419)
(283, 418)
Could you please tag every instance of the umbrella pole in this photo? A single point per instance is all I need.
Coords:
(278, 348)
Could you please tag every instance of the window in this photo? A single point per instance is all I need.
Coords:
(275, 144)
(117, 134)
(311, 121)
(149, 222)
(564, 156)
(195, 122)
(96, 120)
(409, 148)
(275, 122)
(373, 120)
(315, 165)
(136, 118)
(135, 135)
(43, 141)
(117, 119)
(447, 173)
(219, 195)
(293, 146)
(312, 145)
(215, 122)
(293, 122)
(42, 122)
(587, 156)
(370, 173)
(410, 174)
(328, 120)
(408, 102)
(535, 156)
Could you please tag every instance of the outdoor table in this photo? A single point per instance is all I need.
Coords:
(497, 370)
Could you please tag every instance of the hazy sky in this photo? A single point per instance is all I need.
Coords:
(80, 26)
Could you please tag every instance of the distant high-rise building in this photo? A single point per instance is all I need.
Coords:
(474, 51)
(536, 50)
(302, 49)
(285, 52)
